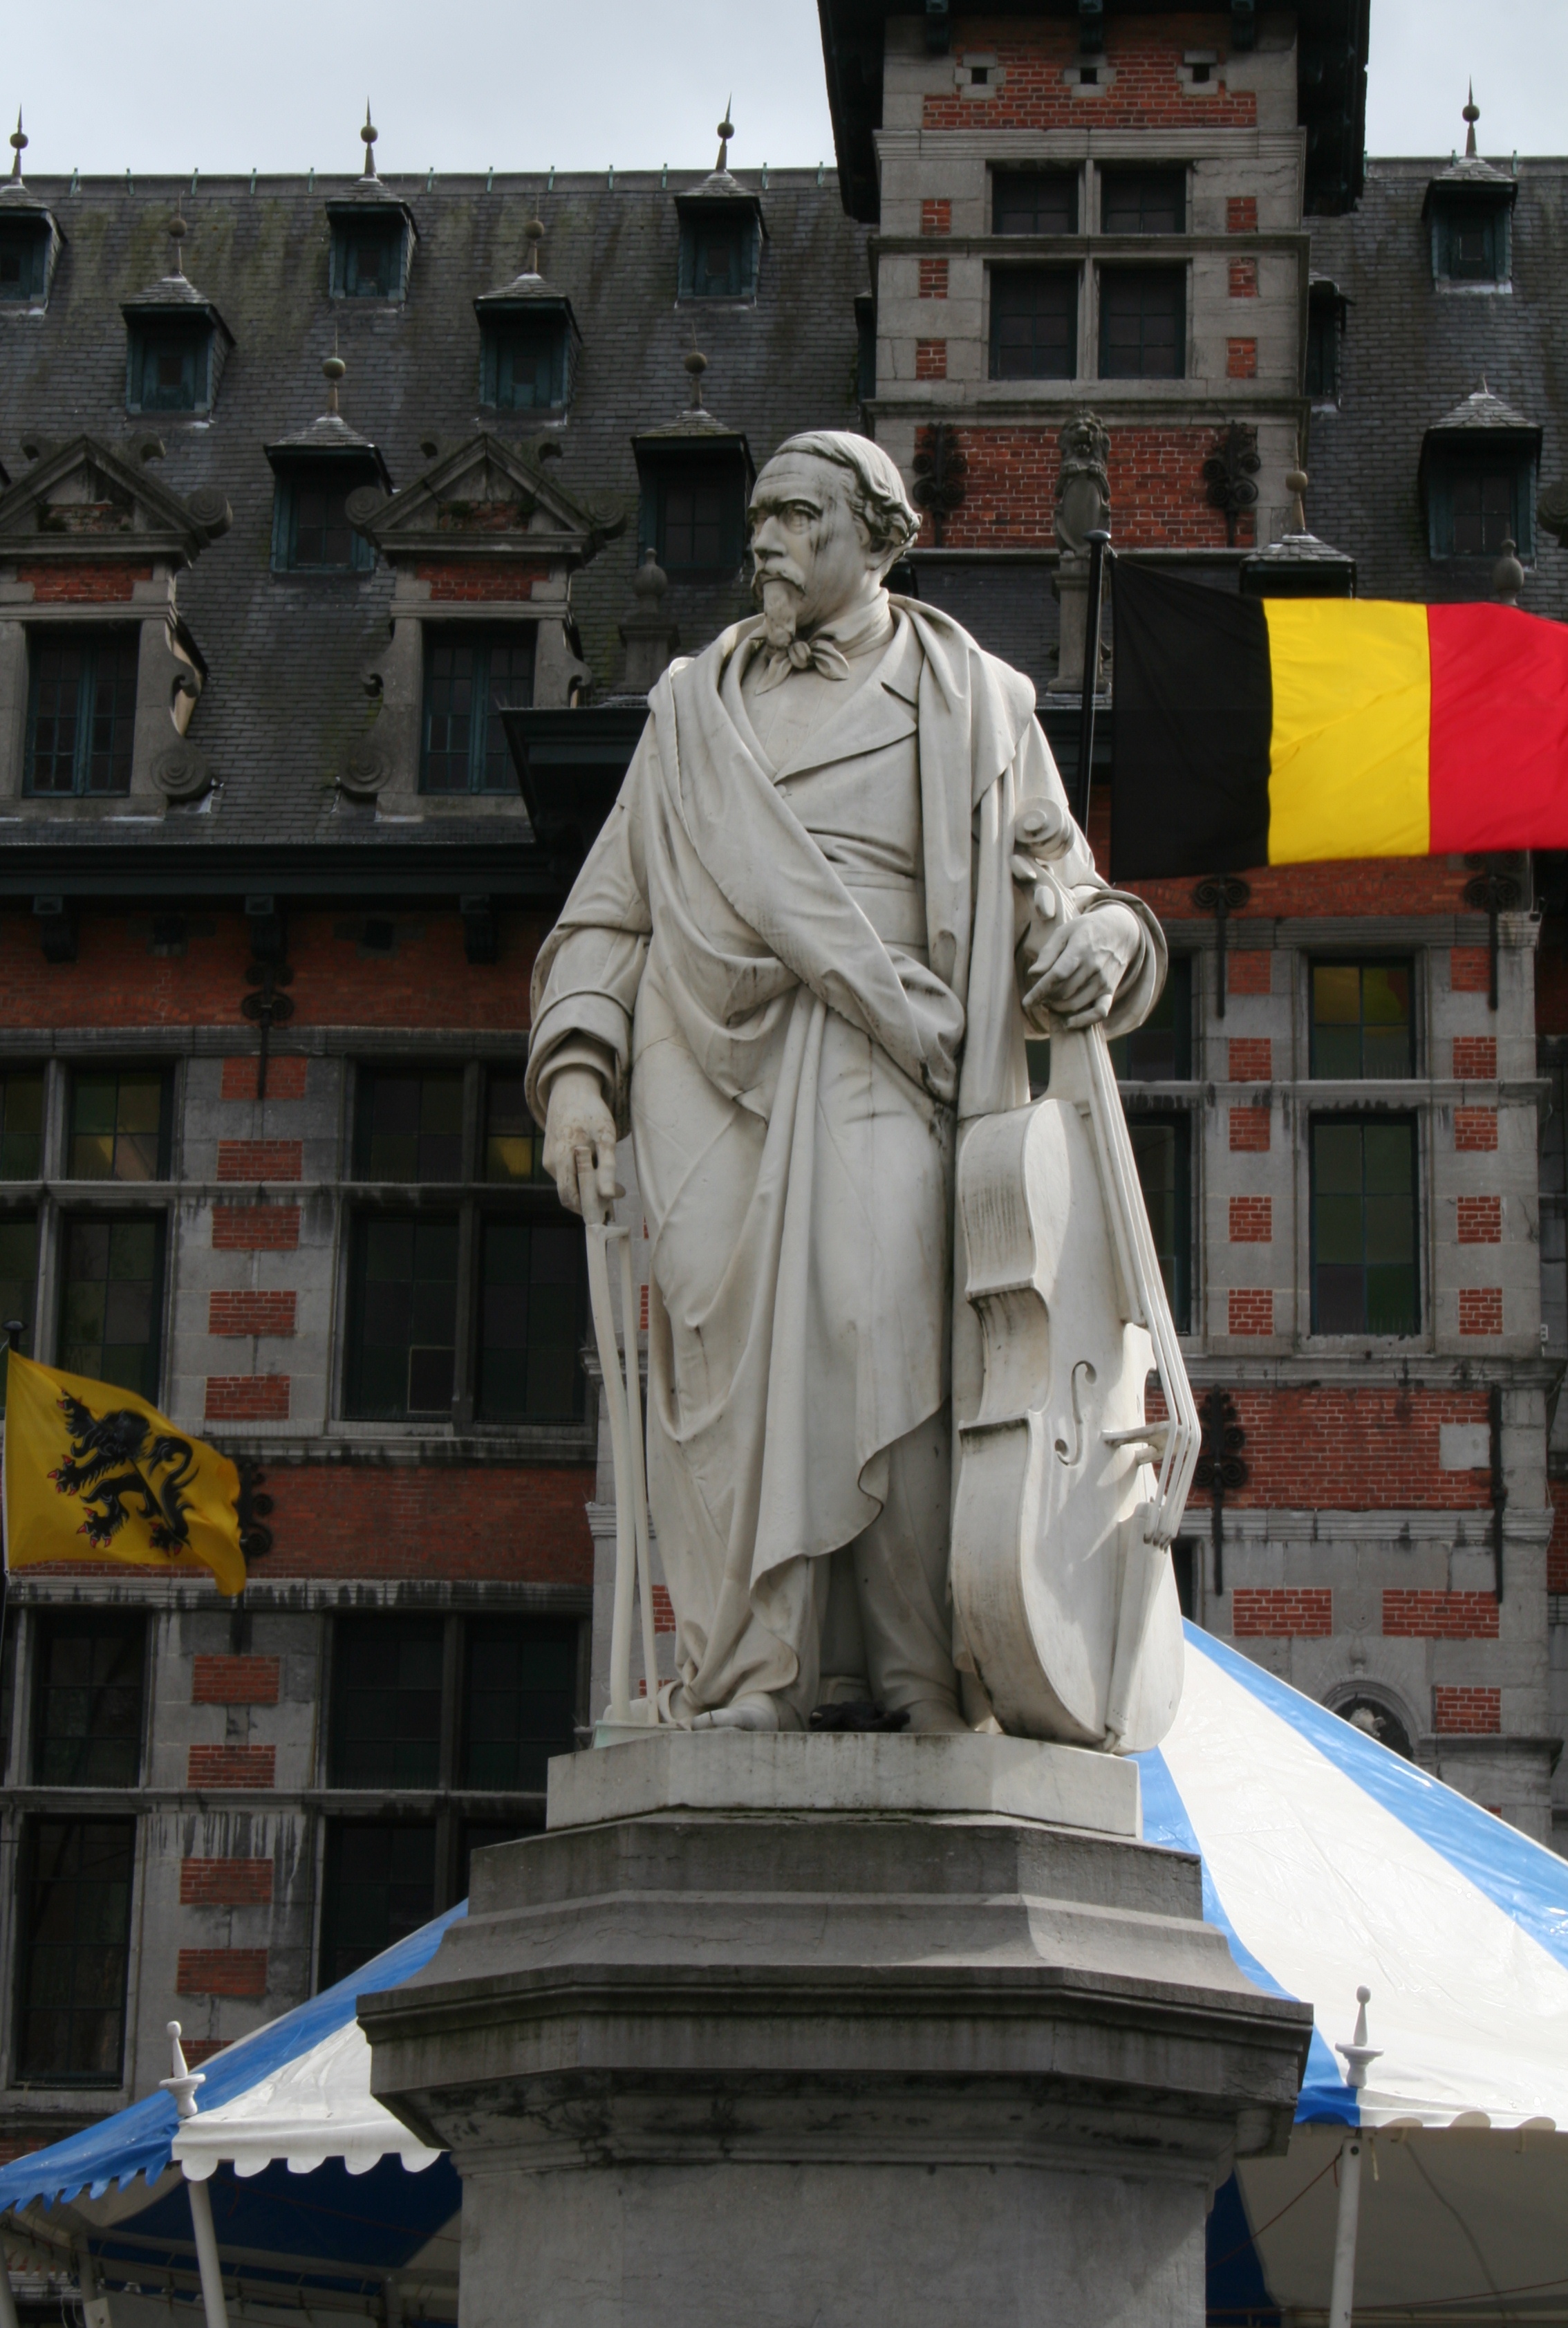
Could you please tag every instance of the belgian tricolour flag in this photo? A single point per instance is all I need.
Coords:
(1269, 731)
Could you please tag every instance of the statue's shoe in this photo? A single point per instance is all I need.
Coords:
(756, 1713)
(936, 1713)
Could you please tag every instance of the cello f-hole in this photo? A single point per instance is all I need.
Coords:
(1075, 1454)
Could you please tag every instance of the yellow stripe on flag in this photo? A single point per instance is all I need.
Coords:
(1348, 753)
(93, 1472)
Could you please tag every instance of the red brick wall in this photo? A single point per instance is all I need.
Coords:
(255, 1228)
(1241, 214)
(234, 1681)
(1144, 51)
(1252, 1220)
(1241, 360)
(1480, 1309)
(284, 1078)
(1467, 1713)
(1252, 1059)
(1438, 1616)
(931, 359)
(936, 217)
(117, 982)
(1250, 1128)
(524, 1523)
(1249, 1310)
(1475, 1057)
(1243, 279)
(1158, 495)
(1270, 1612)
(70, 582)
(1369, 1449)
(223, 1767)
(222, 1972)
(1249, 972)
(1558, 1547)
(260, 1159)
(247, 1398)
(1469, 970)
(1362, 885)
(471, 578)
(1480, 1220)
(1475, 1128)
(250, 1313)
(225, 1882)
(934, 279)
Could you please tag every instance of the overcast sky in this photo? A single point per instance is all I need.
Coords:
(281, 84)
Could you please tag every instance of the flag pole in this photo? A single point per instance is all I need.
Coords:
(1099, 542)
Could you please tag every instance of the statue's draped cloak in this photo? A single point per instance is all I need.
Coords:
(795, 1084)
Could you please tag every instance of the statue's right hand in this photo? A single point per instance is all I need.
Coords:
(579, 1135)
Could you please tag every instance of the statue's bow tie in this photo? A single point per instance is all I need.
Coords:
(821, 655)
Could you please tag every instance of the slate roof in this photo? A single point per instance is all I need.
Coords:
(1413, 355)
(285, 654)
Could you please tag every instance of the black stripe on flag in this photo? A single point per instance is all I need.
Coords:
(1194, 708)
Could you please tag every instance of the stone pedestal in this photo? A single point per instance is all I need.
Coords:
(744, 2039)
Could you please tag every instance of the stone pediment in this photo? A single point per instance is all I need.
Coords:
(84, 499)
(483, 499)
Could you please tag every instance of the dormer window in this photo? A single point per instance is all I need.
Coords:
(696, 476)
(368, 253)
(525, 363)
(317, 475)
(168, 367)
(81, 710)
(1469, 211)
(1478, 479)
(24, 248)
(719, 252)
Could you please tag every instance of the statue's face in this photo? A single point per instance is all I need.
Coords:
(811, 551)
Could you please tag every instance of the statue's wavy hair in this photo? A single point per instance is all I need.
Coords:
(879, 499)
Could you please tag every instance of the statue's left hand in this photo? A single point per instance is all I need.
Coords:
(1074, 965)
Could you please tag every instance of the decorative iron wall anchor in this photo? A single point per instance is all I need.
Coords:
(1492, 893)
(1230, 473)
(1221, 895)
(939, 473)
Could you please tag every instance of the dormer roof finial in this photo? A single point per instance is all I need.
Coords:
(18, 139)
(332, 371)
(368, 136)
(533, 235)
(178, 230)
(1471, 114)
(694, 366)
(725, 132)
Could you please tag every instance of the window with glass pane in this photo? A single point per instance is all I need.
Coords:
(1034, 323)
(403, 1319)
(1476, 504)
(718, 254)
(469, 677)
(378, 1886)
(520, 1701)
(1364, 1225)
(169, 367)
(1361, 1022)
(87, 1716)
(524, 362)
(368, 258)
(18, 1276)
(111, 1298)
(385, 1727)
(74, 1904)
(1162, 1146)
(533, 1320)
(409, 1124)
(81, 710)
(1323, 349)
(119, 1120)
(1141, 329)
(1035, 201)
(24, 259)
(697, 522)
(20, 1124)
(513, 1142)
(1161, 1050)
(1472, 241)
(1142, 201)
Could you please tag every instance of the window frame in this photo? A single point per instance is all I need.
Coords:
(79, 1069)
(742, 219)
(1364, 1118)
(1452, 212)
(51, 1625)
(112, 1218)
(497, 325)
(395, 228)
(1361, 963)
(1174, 173)
(1012, 175)
(13, 1217)
(289, 476)
(1445, 463)
(478, 639)
(32, 235)
(22, 2071)
(94, 640)
(653, 531)
(23, 1071)
(1176, 272)
(1182, 1292)
(1325, 336)
(1070, 277)
(192, 332)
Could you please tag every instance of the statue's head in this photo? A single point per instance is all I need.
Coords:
(829, 517)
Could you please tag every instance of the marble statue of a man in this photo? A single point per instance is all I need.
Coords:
(796, 963)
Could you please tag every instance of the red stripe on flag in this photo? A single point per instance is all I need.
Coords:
(1498, 751)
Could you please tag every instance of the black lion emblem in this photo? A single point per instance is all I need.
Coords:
(115, 1457)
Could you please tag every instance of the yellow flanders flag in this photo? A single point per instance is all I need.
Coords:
(93, 1472)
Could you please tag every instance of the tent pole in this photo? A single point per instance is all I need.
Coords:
(1343, 2294)
(1357, 2055)
(211, 2269)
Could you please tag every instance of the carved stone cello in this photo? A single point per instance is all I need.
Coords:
(1067, 1497)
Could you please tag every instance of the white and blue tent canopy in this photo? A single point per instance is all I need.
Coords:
(1332, 1864)
(1329, 1863)
(316, 2190)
